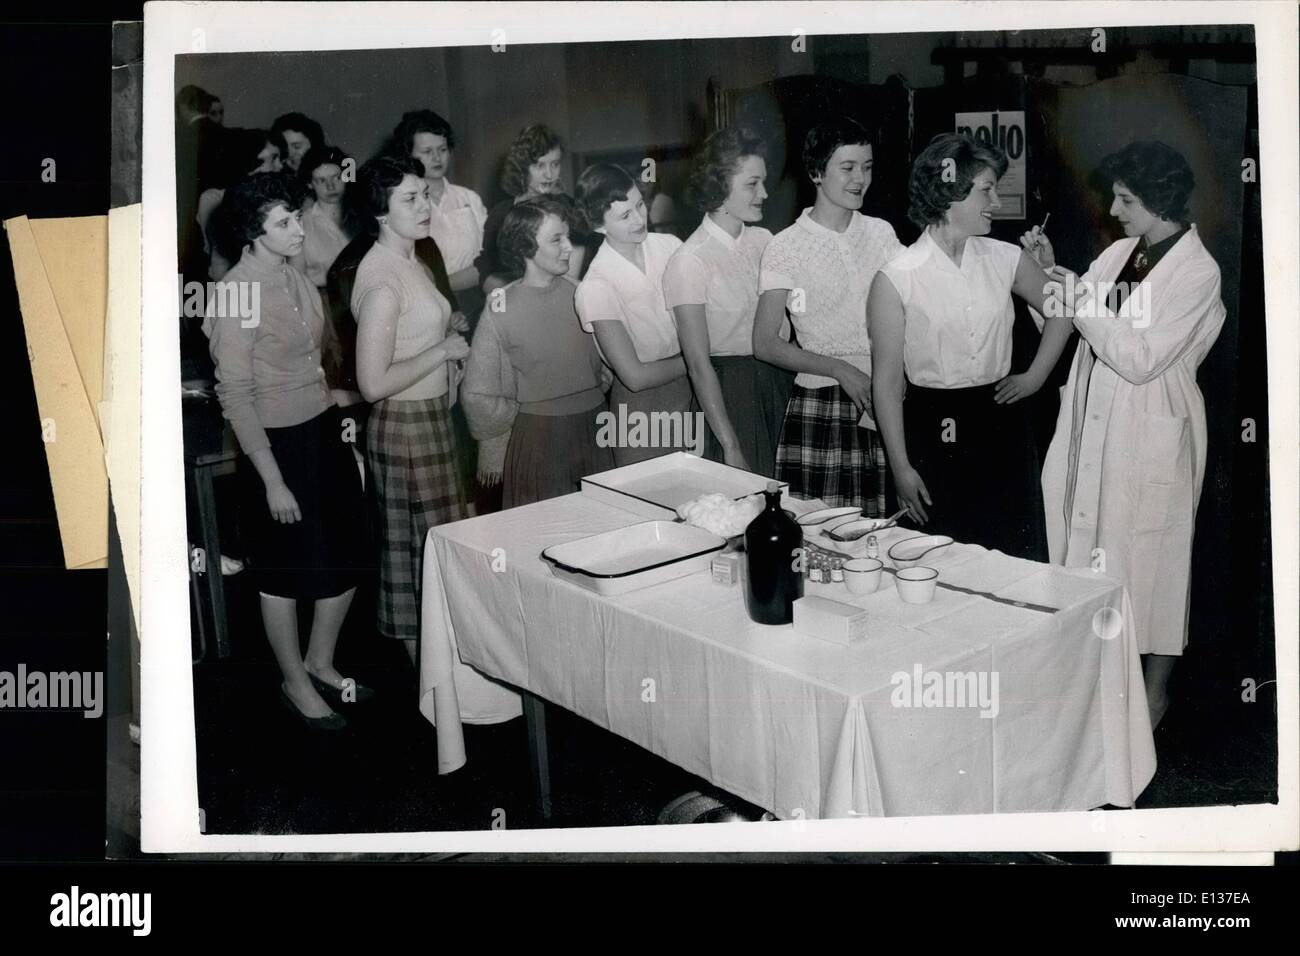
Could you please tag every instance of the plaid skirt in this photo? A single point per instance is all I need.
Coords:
(824, 454)
(411, 452)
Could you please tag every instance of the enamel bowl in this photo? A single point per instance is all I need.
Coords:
(910, 551)
(855, 528)
(824, 516)
(916, 585)
(862, 575)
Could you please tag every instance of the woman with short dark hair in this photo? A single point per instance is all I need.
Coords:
(243, 153)
(328, 227)
(818, 271)
(405, 343)
(961, 448)
(1124, 472)
(458, 213)
(302, 492)
(711, 284)
(534, 382)
(326, 222)
(300, 134)
(621, 302)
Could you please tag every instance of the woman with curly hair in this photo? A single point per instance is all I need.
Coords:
(1124, 471)
(534, 382)
(961, 448)
(302, 493)
(532, 168)
(405, 342)
(458, 215)
(818, 270)
(711, 285)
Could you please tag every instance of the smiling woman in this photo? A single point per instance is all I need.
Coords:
(961, 450)
(711, 284)
(817, 272)
(533, 386)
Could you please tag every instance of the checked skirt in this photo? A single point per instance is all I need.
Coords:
(824, 454)
(411, 452)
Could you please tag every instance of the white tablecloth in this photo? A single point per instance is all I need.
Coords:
(797, 725)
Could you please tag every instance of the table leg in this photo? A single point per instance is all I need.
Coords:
(207, 505)
(539, 755)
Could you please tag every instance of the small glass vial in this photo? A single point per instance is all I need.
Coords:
(873, 546)
(837, 573)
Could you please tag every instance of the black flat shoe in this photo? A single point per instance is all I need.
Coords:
(334, 695)
(330, 721)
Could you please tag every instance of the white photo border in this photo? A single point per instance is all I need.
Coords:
(169, 796)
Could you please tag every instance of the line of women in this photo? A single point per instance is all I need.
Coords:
(829, 356)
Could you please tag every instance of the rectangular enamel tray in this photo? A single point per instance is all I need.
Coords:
(637, 556)
(657, 487)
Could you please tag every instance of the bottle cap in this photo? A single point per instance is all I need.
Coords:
(773, 487)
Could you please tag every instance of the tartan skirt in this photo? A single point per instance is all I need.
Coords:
(824, 454)
(411, 451)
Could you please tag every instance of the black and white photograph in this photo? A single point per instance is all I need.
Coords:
(569, 431)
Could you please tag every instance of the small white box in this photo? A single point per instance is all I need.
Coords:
(829, 620)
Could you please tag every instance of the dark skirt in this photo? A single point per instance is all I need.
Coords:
(411, 452)
(979, 462)
(674, 397)
(549, 454)
(325, 553)
(756, 395)
(823, 453)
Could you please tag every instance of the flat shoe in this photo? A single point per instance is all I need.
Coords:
(330, 721)
(360, 692)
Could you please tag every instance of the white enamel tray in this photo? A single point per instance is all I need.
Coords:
(638, 556)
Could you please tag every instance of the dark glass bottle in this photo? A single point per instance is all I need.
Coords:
(775, 576)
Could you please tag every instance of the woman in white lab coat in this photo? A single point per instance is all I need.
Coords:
(1124, 471)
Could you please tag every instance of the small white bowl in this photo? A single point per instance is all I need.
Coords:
(822, 516)
(916, 585)
(909, 551)
(862, 575)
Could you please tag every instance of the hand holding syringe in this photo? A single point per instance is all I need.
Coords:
(1036, 243)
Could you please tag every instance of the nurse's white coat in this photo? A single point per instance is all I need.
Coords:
(1141, 446)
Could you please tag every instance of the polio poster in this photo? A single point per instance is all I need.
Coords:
(1005, 130)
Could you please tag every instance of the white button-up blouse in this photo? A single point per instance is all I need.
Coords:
(958, 318)
(720, 273)
(614, 289)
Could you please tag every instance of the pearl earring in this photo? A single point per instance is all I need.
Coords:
(383, 220)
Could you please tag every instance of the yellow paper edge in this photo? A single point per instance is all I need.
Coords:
(76, 455)
(75, 254)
